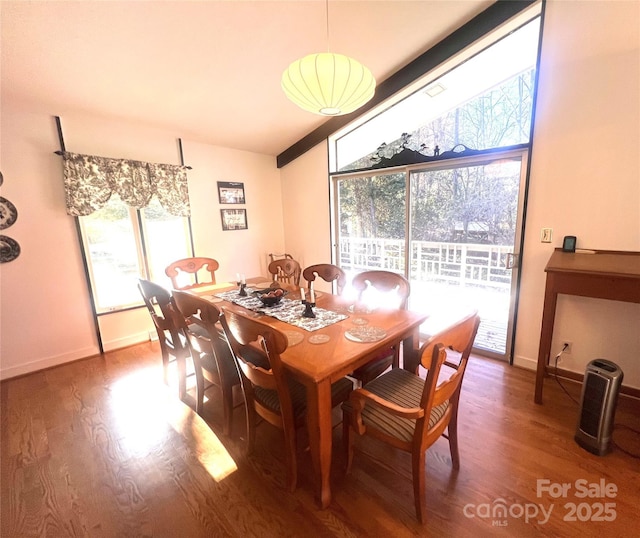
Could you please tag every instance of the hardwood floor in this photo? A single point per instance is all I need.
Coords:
(101, 447)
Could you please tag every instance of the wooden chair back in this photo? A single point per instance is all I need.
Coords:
(385, 282)
(162, 311)
(158, 302)
(245, 336)
(457, 338)
(275, 256)
(265, 386)
(286, 270)
(327, 272)
(212, 357)
(184, 273)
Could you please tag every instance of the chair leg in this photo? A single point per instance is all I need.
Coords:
(165, 366)
(227, 409)
(250, 413)
(347, 441)
(199, 387)
(181, 363)
(396, 357)
(292, 464)
(452, 434)
(418, 461)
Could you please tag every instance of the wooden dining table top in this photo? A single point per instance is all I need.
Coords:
(337, 356)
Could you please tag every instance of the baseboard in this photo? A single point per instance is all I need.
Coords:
(41, 364)
(49, 362)
(127, 341)
(634, 392)
(523, 362)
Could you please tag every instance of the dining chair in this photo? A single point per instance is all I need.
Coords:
(394, 287)
(327, 272)
(269, 391)
(273, 256)
(173, 345)
(285, 270)
(184, 273)
(411, 413)
(212, 358)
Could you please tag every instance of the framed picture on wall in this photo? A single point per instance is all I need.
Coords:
(230, 192)
(234, 219)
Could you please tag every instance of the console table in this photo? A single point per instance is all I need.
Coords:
(601, 274)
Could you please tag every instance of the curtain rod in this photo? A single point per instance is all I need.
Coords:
(63, 152)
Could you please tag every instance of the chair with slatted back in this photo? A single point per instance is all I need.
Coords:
(411, 413)
(268, 389)
(394, 287)
(185, 273)
(285, 270)
(273, 256)
(327, 272)
(212, 358)
(173, 345)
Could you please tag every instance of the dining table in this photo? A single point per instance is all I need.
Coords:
(344, 335)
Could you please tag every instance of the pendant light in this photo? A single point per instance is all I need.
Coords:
(328, 84)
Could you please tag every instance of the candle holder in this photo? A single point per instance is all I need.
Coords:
(308, 309)
(243, 290)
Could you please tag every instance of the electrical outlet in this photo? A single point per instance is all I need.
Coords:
(566, 346)
(545, 235)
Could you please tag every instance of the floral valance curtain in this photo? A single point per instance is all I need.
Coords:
(90, 181)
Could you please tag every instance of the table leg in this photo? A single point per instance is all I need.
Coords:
(320, 436)
(546, 333)
(410, 347)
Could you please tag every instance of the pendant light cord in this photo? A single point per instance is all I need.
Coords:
(327, 13)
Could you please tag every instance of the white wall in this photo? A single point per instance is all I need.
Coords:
(45, 311)
(305, 187)
(585, 178)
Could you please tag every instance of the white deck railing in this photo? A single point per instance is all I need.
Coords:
(452, 263)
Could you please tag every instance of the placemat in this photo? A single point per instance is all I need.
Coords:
(365, 333)
(288, 311)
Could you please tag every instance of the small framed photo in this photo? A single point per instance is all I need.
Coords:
(234, 219)
(230, 192)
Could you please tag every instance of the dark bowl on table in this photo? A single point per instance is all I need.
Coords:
(270, 296)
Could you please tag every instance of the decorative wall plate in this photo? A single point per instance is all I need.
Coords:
(9, 249)
(8, 213)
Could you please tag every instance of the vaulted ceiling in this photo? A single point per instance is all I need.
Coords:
(210, 70)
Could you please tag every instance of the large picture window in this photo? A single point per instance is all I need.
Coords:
(433, 186)
(122, 244)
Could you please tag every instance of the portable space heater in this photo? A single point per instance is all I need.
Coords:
(602, 380)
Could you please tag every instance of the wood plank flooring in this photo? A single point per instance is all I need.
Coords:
(102, 448)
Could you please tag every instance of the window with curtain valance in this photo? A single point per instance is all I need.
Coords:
(90, 181)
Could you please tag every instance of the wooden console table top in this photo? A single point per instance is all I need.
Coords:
(601, 262)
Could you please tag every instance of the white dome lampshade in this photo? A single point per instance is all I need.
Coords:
(328, 84)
